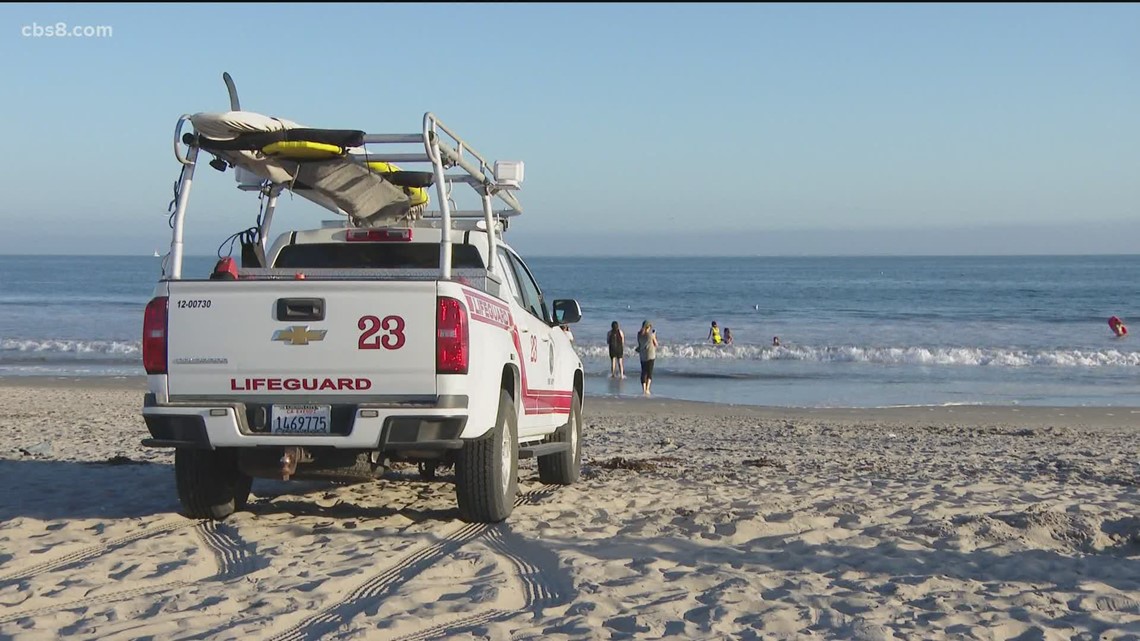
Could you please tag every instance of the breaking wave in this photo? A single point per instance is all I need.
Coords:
(13, 350)
(111, 351)
(930, 356)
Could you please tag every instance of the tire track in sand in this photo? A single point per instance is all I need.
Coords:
(536, 496)
(75, 558)
(545, 584)
(321, 624)
(361, 597)
(233, 556)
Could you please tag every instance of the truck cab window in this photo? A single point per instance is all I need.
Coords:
(531, 294)
(508, 275)
(375, 256)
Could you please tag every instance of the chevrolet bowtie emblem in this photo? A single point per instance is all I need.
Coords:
(299, 335)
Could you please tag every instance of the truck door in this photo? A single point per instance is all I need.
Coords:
(543, 404)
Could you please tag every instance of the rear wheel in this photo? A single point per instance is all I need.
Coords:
(210, 483)
(486, 470)
(563, 468)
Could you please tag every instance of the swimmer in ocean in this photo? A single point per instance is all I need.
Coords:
(714, 334)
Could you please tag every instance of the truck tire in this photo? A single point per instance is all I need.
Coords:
(563, 468)
(210, 484)
(486, 470)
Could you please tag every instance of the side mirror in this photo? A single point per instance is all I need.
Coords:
(567, 311)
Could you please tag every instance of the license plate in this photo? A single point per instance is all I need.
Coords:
(299, 419)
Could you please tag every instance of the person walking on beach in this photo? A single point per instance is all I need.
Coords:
(616, 341)
(647, 349)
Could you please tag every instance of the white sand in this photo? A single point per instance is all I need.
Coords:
(983, 523)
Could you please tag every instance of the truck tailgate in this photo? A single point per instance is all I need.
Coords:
(301, 338)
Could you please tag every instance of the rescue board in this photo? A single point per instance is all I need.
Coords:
(316, 163)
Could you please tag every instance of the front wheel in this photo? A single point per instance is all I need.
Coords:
(210, 483)
(486, 470)
(563, 468)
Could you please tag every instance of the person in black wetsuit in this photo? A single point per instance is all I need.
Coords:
(616, 341)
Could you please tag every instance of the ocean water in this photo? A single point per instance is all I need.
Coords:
(855, 331)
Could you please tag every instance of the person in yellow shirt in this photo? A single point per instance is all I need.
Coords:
(714, 334)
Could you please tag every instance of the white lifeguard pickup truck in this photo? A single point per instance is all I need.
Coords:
(392, 334)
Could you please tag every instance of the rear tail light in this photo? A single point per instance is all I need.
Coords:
(451, 339)
(154, 336)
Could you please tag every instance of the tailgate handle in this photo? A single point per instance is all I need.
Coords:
(300, 309)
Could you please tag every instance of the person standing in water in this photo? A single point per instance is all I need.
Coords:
(714, 334)
(727, 336)
(647, 349)
(616, 341)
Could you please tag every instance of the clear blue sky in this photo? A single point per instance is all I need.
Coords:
(659, 129)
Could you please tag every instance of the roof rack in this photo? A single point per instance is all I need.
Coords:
(443, 150)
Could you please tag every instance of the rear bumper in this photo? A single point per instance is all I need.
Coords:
(391, 426)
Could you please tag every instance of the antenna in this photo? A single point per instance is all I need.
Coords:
(234, 104)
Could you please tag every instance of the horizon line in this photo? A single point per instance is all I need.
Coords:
(660, 256)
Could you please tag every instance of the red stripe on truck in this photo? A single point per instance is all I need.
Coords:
(489, 311)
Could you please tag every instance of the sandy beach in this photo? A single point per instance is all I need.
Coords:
(691, 521)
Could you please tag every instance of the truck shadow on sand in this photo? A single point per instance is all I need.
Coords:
(113, 489)
(345, 511)
(120, 488)
(432, 501)
(401, 494)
